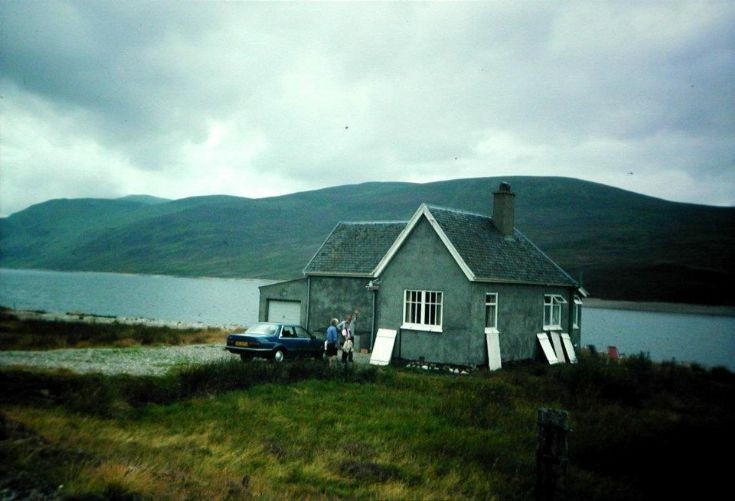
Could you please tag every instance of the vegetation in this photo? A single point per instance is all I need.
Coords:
(18, 334)
(304, 430)
(627, 246)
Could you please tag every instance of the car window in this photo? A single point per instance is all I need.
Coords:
(262, 329)
(302, 333)
(287, 331)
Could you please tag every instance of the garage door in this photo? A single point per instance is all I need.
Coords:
(284, 311)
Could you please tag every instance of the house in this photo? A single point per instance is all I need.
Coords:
(444, 279)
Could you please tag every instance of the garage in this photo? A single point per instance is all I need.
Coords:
(284, 311)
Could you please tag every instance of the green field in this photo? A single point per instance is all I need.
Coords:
(304, 430)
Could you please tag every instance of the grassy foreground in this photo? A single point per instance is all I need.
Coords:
(16, 334)
(303, 430)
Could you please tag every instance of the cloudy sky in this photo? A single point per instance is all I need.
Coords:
(103, 99)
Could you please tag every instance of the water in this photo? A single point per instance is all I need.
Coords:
(708, 340)
(705, 339)
(213, 301)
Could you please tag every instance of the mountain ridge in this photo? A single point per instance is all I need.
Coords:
(623, 245)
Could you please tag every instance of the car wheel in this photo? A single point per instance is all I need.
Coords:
(279, 355)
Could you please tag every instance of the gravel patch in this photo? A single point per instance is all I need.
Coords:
(134, 361)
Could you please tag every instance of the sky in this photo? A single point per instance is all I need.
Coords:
(107, 99)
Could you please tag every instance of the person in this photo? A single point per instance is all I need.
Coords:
(351, 318)
(347, 342)
(347, 336)
(344, 330)
(330, 345)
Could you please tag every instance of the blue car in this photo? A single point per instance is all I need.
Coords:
(275, 340)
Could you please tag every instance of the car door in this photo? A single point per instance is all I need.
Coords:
(309, 344)
(288, 339)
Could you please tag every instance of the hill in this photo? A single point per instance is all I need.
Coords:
(624, 245)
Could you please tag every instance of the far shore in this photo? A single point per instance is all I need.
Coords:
(698, 309)
(108, 319)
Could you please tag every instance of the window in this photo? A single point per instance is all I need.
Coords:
(301, 333)
(552, 311)
(577, 313)
(422, 310)
(491, 312)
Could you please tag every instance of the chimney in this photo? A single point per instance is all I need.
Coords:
(503, 216)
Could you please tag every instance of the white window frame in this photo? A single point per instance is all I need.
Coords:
(552, 304)
(577, 312)
(491, 299)
(422, 298)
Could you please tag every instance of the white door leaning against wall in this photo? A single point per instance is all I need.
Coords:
(288, 312)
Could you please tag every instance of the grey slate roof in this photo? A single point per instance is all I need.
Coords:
(357, 248)
(354, 248)
(491, 256)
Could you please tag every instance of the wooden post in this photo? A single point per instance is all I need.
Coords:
(551, 454)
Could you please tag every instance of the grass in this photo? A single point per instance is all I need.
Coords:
(18, 334)
(302, 430)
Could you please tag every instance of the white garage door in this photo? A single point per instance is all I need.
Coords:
(284, 311)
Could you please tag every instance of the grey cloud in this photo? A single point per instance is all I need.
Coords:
(547, 88)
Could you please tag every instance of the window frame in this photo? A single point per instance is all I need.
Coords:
(553, 303)
(577, 312)
(494, 328)
(423, 306)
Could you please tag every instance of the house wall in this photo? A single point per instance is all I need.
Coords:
(424, 263)
(335, 297)
(293, 290)
(520, 316)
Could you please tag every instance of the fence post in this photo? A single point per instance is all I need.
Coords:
(551, 454)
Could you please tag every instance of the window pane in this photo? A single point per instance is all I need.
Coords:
(490, 315)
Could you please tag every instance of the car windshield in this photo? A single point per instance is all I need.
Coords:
(262, 329)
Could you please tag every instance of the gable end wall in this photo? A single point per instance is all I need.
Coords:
(424, 263)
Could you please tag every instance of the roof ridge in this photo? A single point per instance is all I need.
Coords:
(458, 211)
(373, 222)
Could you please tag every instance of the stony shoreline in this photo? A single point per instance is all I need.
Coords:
(109, 319)
(697, 309)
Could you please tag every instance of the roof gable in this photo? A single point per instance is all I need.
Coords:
(423, 211)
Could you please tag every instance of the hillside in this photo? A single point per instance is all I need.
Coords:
(624, 245)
